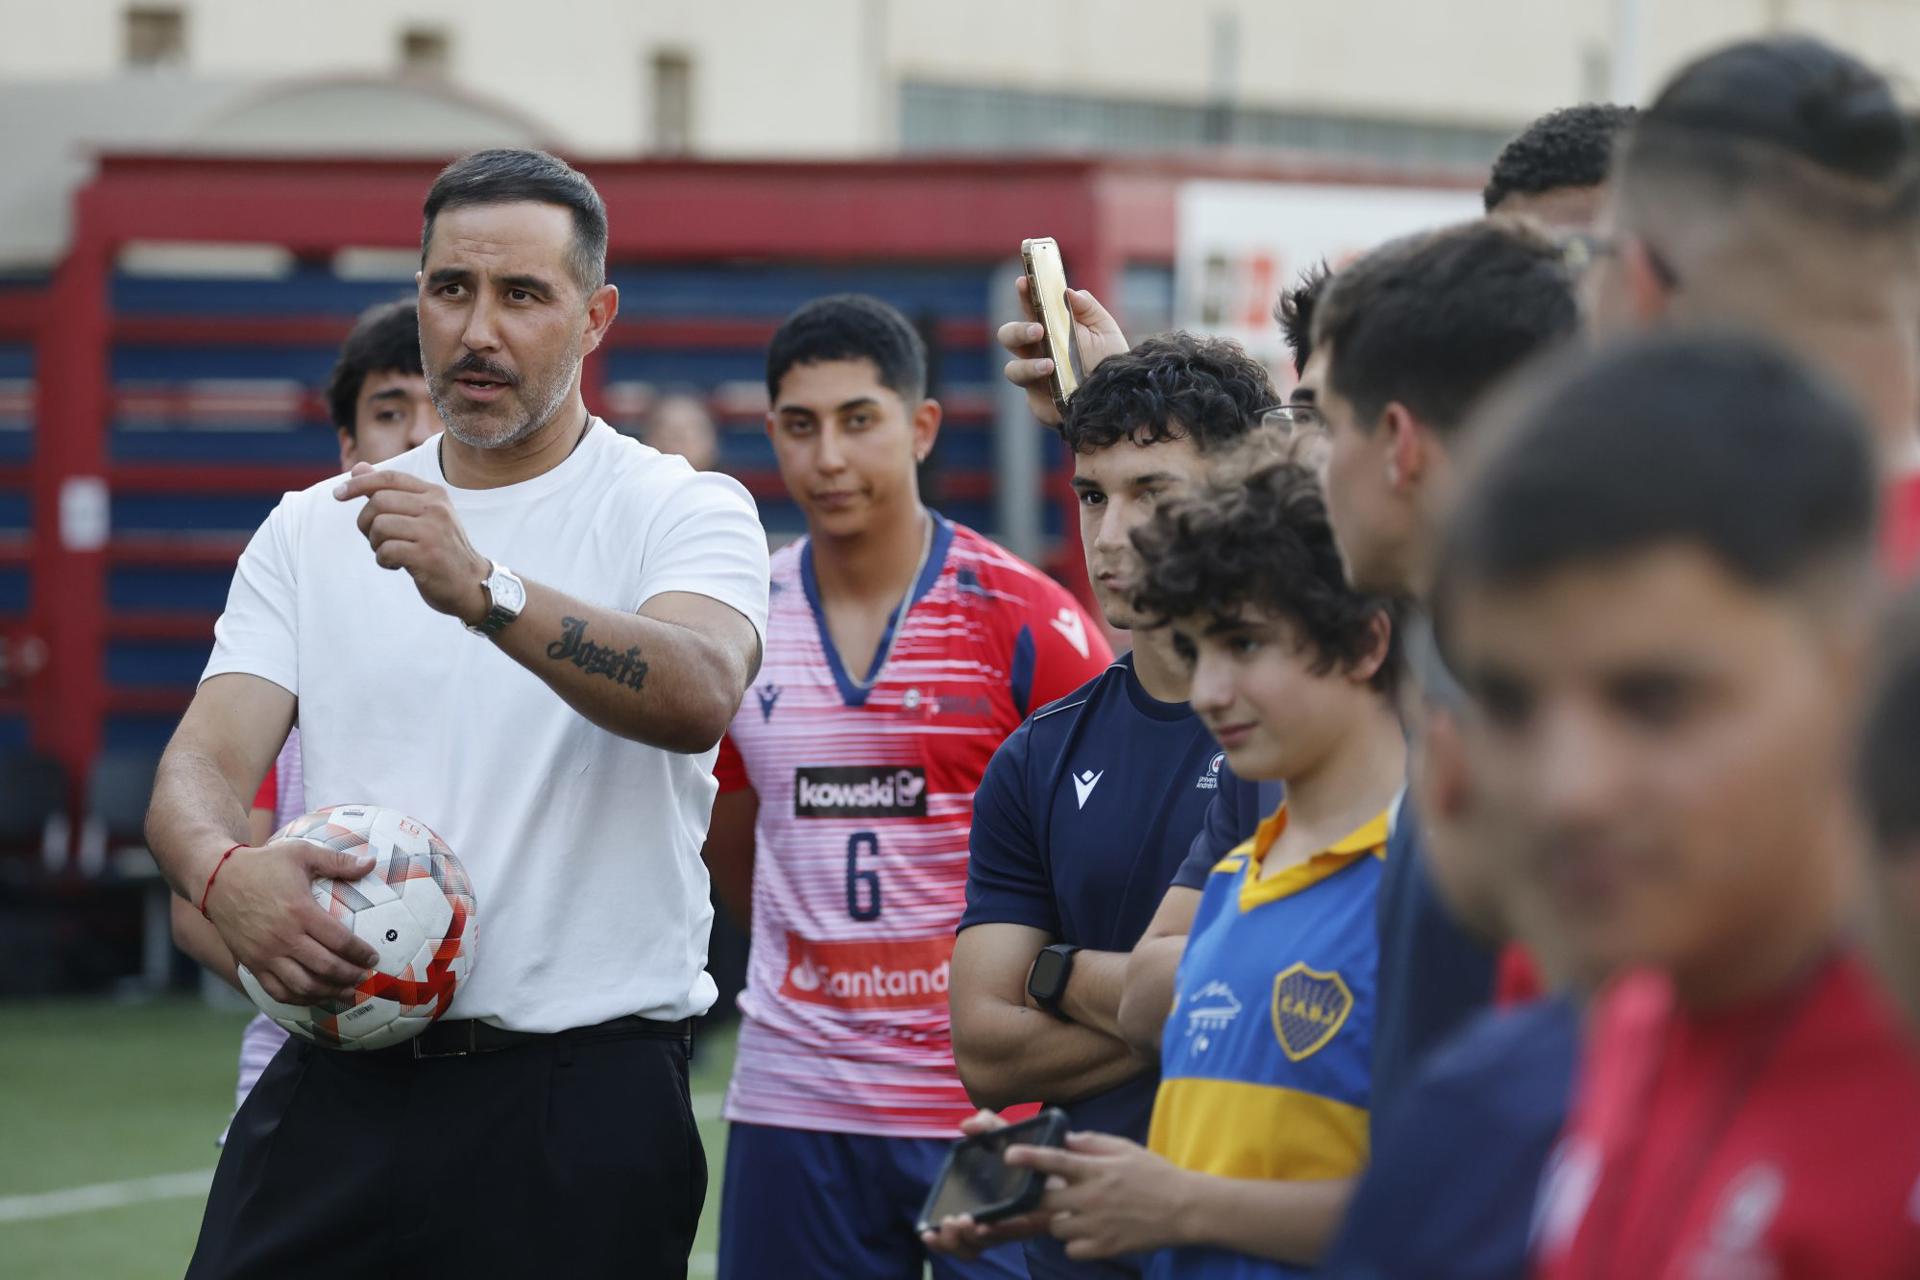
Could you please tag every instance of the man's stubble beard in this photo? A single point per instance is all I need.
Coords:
(549, 404)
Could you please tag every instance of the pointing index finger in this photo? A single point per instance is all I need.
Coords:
(363, 483)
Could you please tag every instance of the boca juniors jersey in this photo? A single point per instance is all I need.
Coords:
(1264, 1062)
(866, 797)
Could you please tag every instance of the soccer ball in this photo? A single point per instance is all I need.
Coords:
(415, 907)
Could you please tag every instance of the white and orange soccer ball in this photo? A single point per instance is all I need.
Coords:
(416, 908)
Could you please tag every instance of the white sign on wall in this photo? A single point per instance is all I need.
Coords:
(1240, 243)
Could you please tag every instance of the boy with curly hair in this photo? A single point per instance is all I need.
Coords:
(1260, 1122)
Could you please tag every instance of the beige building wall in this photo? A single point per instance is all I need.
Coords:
(822, 77)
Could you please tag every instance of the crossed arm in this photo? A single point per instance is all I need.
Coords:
(1147, 993)
(1010, 1051)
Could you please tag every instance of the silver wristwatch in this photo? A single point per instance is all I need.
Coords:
(506, 597)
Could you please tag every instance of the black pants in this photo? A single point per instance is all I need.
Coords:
(572, 1156)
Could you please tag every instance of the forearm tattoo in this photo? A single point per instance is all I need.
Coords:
(621, 667)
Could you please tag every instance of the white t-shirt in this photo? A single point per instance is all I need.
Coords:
(583, 847)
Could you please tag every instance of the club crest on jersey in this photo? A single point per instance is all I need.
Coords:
(860, 791)
(1210, 780)
(1309, 1007)
(768, 694)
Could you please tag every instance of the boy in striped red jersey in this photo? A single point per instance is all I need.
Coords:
(902, 649)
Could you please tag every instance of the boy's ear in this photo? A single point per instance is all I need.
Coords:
(926, 428)
(1380, 648)
(1408, 445)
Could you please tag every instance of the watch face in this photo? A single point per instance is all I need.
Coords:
(1049, 975)
(506, 592)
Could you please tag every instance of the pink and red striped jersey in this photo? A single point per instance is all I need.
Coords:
(866, 797)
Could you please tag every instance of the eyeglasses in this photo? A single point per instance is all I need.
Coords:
(1579, 250)
(1295, 421)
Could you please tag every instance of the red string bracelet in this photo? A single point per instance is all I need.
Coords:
(216, 871)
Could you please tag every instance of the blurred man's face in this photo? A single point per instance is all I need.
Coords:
(1457, 837)
(1118, 488)
(1372, 523)
(1255, 688)
(503, 323)
(1308, 441)
(1893, 929)
(1608, 300)
(847, 445)
(393, 414)
(1665, 745)
(681, 425)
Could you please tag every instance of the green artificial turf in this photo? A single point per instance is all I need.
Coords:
(100, 1092)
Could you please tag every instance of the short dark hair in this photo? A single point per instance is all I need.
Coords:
(386, 339)
(1794, 92)
(1718, 441)
(1568, 148)
(851, 326)
(508, 176)
(1788, 123)
(1260, 539)
(1171, 387)
(1435, 321)
(1890, 742)
(1295, 310)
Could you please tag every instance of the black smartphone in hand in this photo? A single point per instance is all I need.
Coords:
(976, 1179)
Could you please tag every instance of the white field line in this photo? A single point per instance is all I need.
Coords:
(182, 1186)
(105, 1195)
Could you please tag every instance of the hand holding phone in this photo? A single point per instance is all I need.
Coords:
(1083, 327)
(1047, 295)
(978, 1183)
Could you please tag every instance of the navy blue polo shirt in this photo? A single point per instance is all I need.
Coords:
(1231, 820)
(1084, 816)
(1433, 974)
(1450, 1192)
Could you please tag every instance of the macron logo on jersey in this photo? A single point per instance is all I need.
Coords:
(1084, 783)
(1069, 625)
(769, 694)
(859, 791)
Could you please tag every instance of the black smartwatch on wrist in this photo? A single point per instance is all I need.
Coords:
(1047, 980)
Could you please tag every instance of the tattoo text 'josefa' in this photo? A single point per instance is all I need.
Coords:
(595, 659)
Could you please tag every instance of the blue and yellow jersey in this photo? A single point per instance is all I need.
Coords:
(1267, 1053)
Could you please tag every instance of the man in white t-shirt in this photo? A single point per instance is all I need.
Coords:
(564, 752)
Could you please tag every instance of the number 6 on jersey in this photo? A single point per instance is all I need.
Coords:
(863, 887)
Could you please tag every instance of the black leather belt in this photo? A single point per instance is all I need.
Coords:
(454, 1039)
